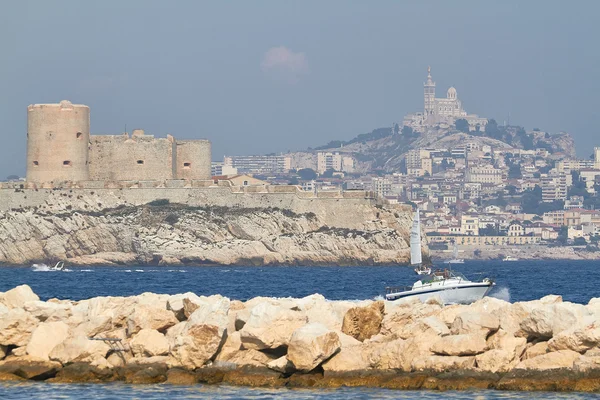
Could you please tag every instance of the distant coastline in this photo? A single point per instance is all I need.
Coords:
(526, 252)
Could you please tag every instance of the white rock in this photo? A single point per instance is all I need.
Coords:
(312, 344)
(579, 338)
(17, 297)
(149, 343)
(270, 326)
(551, 319)
(16, 327)
(460, 345)
(442, 363)
(47, 311)
(78, 349)
(146, 317)
(471, 322)
(553, 360)
(45, 337)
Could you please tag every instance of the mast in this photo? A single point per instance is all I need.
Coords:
(415, 241)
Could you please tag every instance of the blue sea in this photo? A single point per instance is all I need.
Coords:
(576, 281)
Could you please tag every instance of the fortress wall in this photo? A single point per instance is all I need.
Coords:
(192, 159)
(57, 142)
(120, 158)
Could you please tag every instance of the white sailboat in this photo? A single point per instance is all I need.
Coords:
(455, 259)
(416, 259)
(450, 286)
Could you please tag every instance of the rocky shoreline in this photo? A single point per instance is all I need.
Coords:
(545, 344)
(522, 252)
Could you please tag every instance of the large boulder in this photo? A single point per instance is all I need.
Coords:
(78, 349)
(535, 350)
(195, 342)
(579, 338)
(363, 322)
(550, 319)
(17, 297)
(460, 345)
(553, 360)
(481, 323)
(270, 326)
(16, 327)
(149, 343)
(502, 340)
(442, 363)
(48, 311)
(495, 360)
(312, 344)
(148, 317)
(175, 303)
(45, 337)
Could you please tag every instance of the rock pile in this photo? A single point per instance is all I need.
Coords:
(545, 344)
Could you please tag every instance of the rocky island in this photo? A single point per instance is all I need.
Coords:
(545, 344)
(201, 226)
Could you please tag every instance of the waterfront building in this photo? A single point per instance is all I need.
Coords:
(259, 164)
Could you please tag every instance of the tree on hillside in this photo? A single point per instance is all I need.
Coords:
(512, 189)
(462, 125)
(396, 129)
(514, 171)
(328, 173)
(307, 174)
(492, 130)
(407, 131)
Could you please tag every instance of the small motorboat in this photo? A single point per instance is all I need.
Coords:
(510, 258)
(59, 266)
(450, 286)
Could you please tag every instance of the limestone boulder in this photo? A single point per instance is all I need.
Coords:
(510, 317)
(246, 358)
(536, 350)
(197, 341)
(45, 337)
(550, 319)
(281, 364)
(175, 303)
(312, 344)
(48, 311)
(3, 308)
(351, 357)
(149, 343)
(363, 322)
(449, 313)
(3, 352)
(443, 363)
(18, 296)
(232, 346)
(587, 364)
(16, 327)
(147, 317)
(388, 354)
(553, 360)
(489, 305)
(473, 322)
(579, 338)
(502, 340)
(460, 345)
(400, 318)
(78, 349)
(270, 326)
(495, 360)
(97, 325)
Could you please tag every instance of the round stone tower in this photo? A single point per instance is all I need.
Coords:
(57, 142)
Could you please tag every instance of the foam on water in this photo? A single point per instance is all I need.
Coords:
(502, 293)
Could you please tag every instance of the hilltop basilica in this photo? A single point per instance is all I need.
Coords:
(441, 111)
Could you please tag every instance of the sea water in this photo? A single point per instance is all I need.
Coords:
(576, 281)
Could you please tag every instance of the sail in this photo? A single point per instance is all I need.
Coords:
(455, 252)
(415, 241)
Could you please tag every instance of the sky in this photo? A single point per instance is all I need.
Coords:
(271, 76)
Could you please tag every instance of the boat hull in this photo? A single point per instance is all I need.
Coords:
(465, 293)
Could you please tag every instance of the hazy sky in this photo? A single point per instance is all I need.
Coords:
(268, 76)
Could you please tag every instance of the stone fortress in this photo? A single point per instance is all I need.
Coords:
(444, 111)
(61, 152)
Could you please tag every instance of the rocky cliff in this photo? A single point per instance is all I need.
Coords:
(86, 230)
(545, 344)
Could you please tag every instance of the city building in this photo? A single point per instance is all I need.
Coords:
(334, 161)
(554, 187)
(259, 164)
(484, 174)
(220, 168)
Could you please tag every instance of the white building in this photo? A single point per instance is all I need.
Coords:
(485, 174)
(335, 161)
(259, 164)
(222, 169)
(441, 110)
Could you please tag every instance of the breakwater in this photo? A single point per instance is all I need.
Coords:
(544, 344)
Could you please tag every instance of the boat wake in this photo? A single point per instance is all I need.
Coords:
(45, 268)
(503, 293)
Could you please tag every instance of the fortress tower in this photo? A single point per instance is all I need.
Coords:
(57, 142)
